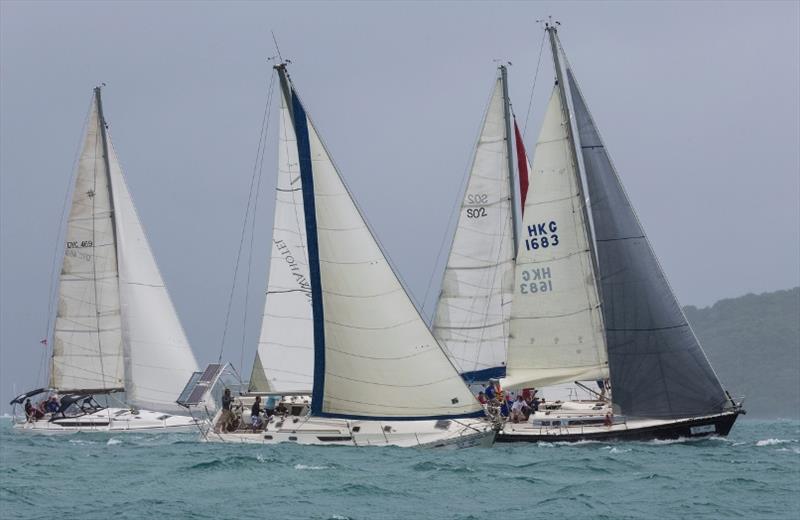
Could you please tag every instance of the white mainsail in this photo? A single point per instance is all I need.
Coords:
(285, 357)
(374, 355)
(158, 358)
(472, 316)
(556, 325)
(87, 339)
(116, 327)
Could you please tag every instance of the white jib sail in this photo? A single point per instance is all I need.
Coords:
(556, 325)
(472, 317)
(285, 357)
(87, 340)
(380, 359)
(158, 358)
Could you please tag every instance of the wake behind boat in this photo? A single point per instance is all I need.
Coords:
(377, 374)
(119, 354)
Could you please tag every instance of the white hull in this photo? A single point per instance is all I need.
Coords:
(111, 420)
(459, 433)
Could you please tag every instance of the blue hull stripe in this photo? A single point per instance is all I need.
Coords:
(310, 212)
(485, 374)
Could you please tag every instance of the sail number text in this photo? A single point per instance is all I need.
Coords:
(536, 280)
(84, 243)
(477, 198)
(542, 235)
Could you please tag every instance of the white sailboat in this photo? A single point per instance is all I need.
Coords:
(119, 354)
(338, 322)
(592, 303)
(474, 308)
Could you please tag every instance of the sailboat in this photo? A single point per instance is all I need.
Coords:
(591, 302)
(338, 320)
(119, 354)
(474, 308)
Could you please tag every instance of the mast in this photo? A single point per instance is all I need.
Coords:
(554, 44)
(509, 156)
(284, 78)
(107, 163)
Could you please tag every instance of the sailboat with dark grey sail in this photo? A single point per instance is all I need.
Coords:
(119, 354)
(379, 376)
(591, 301)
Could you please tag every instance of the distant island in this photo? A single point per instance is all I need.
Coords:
(753, 343)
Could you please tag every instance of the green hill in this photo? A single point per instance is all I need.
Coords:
(753, 342)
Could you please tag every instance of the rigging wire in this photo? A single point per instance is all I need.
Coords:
(533, 87)
(260, 152)
(242, 237)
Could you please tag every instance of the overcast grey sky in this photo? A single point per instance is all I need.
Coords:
(698, 104)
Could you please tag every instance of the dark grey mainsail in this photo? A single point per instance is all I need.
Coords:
(658, 368)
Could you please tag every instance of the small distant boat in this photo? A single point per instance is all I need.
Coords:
(591, 302)
(339, 323)
(119, 354)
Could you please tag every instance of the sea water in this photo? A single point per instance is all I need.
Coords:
(754, 474)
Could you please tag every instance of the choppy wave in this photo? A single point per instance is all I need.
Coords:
(773, 442)
(304, 466)
(751, 475)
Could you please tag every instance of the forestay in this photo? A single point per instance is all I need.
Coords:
(285, 358)
(475, 303)
(556, 326)
(158, 358)
(374, 356)
(87, 340)
(658, 368)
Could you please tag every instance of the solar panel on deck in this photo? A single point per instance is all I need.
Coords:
(197, 393)
(198, 384)
(210, 373)
(187, 390)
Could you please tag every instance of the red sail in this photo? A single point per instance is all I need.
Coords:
(522, 168)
